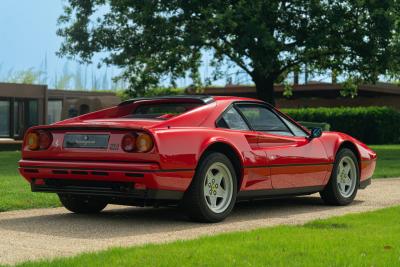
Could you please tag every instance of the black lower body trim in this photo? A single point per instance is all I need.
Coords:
(365, 183)
(268, 193)
(114, 192)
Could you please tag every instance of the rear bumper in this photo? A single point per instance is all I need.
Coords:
(115, 192)
(145, 179)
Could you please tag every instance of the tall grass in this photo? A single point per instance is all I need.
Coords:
(79, 77)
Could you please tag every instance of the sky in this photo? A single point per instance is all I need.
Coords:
(28, 34)
(28, 37)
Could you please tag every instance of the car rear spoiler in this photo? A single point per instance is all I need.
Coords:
(205, 99)
(82, 127)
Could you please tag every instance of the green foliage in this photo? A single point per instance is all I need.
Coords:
(164, 91)
(309, 125)
(388, 161)
(123, 95)
(29, 76)
(350, 88)
(158, 91)
(372, 125)
(287, 90)
(152, 40)
(75, 79)
(63, 81)
(364, 239)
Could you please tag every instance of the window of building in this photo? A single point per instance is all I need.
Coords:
(83, 109)
(72, 112)
(4, 118)
(18, 118)
(33, 115)
(54, 111)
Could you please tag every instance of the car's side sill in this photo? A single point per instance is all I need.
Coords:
(249, 194)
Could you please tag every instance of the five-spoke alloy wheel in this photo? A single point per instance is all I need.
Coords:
(344, 180)
(213, 191)
(346, 176)
(218, 187)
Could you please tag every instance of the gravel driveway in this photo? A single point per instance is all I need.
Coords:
(46, 233)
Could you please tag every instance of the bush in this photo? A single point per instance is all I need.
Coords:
(161, 91)
(164, 91)
(371, 125)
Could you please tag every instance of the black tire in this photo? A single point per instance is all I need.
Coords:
(194, 202)
(331, 194)
(82, 204)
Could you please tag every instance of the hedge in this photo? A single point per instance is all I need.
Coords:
(371, 125)
(309, 125)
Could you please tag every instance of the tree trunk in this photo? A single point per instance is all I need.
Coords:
(295, 77)
(306, 74)
(334, 76)
(265, 89)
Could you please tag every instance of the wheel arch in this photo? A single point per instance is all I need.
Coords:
(231, 152)
(350, 145)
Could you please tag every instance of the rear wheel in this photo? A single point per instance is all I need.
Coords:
(343, 184)
(212, 194)
(82, 204)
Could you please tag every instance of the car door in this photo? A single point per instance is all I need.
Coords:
(255, 174)
(294, 160)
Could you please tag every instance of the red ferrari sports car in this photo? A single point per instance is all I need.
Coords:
(201, 152)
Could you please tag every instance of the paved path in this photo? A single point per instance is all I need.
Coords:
(47, 233)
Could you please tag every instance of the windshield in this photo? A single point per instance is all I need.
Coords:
(162, 110)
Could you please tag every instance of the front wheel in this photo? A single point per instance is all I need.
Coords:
(343, 183)
(82, 204)
(212, 194)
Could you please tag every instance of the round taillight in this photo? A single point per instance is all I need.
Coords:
(144, 143)
(45, 140)
(128, 143)
(33, 141)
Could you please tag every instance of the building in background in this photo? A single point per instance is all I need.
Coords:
(23, 106)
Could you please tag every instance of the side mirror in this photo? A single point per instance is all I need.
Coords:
(315, 133)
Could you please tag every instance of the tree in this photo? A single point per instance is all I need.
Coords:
(154, 39)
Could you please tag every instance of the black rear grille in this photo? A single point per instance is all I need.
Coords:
(100, 173)
(116, 192)
(60, 172)
(89, 184)
(79, 172)
(87, 187)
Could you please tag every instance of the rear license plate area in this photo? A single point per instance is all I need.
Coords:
(95, 141)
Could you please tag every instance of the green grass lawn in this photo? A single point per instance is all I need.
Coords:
(388, 164)
(15, 192)
(366, 239)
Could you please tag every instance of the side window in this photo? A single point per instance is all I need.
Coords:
(232, 120)
(294, 128)
(264, 120)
